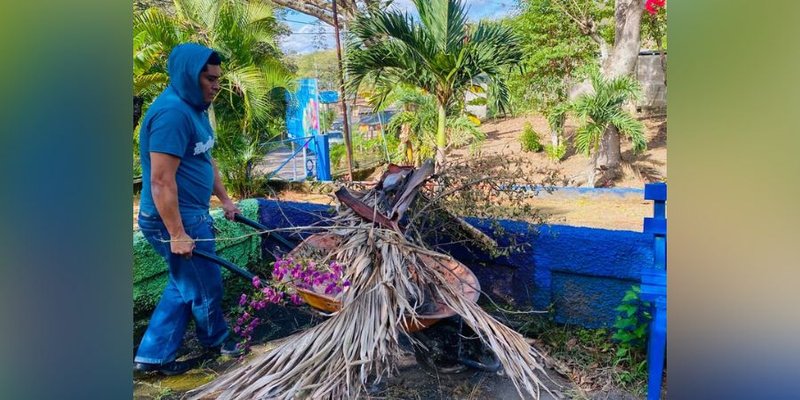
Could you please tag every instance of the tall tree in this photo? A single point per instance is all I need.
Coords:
(553, 49)
(617, 58)
(439, 53)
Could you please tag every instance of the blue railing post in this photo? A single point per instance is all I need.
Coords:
(323, 158)
(654, 287)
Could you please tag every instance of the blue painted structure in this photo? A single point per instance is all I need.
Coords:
(574, 191)
(323, 158)
(328, 96)
(302, 113)
(302, 126)
(654, 287)
(581, 274)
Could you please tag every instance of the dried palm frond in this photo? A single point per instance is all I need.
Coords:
(391, 287)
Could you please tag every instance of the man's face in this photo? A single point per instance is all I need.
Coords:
(209, 82)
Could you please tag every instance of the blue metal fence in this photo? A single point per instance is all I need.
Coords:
(654, 287)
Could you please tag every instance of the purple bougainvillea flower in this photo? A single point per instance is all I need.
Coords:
(296, 299)
(242, 300)
(256, 282)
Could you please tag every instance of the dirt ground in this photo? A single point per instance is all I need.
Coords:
(619, 212)
(638, 169)
(414, 381)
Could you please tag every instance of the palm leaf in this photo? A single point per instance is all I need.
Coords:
(631, 128)
(587, 137)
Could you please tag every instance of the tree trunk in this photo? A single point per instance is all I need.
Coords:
(627, 38)
(441, 138)
(322, 9)
(608, 161)
(621, 61)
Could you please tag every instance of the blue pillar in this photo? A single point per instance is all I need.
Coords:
(654, 287)
(323, 158)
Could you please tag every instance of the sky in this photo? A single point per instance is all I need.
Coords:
(309, 34)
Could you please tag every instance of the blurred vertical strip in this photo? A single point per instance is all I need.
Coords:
(65, 154)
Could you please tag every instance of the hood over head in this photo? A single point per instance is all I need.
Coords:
(184, 66)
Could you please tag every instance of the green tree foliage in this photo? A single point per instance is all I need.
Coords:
(553, 48)
(322, 65)
(250, 107)
(438, 52)
(420, 116)
(327, 115)
(604, 107)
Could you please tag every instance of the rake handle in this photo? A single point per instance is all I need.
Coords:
(224, 263)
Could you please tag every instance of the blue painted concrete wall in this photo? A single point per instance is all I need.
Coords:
(580, 274)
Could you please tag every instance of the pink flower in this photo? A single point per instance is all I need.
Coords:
(652, 6)
(242, 300)
(256, 282)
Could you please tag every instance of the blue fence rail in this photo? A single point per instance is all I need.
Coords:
(315, 152)
(654, 287)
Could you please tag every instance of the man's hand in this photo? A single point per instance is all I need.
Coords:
(230, 209)
(182, 244)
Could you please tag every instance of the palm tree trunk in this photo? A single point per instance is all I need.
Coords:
(608, 158)
(591, 170)
(441, 138)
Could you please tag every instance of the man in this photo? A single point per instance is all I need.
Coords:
(179, 178)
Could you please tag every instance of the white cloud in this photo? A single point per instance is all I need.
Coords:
(308, 38)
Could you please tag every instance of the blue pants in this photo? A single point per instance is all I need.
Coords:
(194, 290)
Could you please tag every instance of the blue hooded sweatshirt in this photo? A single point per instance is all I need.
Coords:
(177, 124)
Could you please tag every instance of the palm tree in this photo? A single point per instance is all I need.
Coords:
(440, 54)
(417, 124)
(603, 109)
(254, 78)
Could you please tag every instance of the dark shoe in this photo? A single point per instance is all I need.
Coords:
(170, 368)
(231, 348)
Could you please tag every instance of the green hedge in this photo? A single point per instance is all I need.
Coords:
(150, 269)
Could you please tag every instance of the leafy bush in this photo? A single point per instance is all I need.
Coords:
(556, 153)
(631, 324)
(530, 139)
(337, 154)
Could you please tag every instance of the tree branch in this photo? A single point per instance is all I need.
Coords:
(321, 9)
(316, 8)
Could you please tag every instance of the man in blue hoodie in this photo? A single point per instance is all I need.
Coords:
(180, 176)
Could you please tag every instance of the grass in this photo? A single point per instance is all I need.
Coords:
(589, 358)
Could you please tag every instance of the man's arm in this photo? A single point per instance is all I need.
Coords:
(228, 207)
(165, 195)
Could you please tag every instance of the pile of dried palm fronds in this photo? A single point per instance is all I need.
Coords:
(389, 284)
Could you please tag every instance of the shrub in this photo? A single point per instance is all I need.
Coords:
(556, 153)
(530, 139)
(337, 154)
